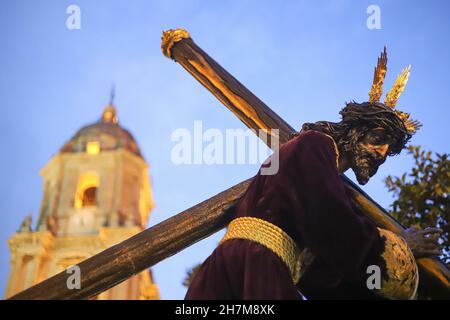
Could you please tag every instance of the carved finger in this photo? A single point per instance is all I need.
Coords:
(431, 231)
(431, 246)
(431, 238)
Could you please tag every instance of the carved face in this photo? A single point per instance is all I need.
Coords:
(370, 152)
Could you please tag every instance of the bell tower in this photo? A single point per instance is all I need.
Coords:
(97, 193)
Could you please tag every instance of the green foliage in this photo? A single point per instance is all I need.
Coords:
(423, 195)
(190, 275)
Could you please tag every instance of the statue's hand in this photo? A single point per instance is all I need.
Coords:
(423, 243)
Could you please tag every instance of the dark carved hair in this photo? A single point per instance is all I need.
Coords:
(358, 119)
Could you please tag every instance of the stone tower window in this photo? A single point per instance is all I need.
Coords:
(93, 147)
(86, 193)
(89, 197)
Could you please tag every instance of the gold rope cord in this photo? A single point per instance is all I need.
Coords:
(335, 149)
(270, 236)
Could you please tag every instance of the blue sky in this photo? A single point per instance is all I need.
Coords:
(302, 58)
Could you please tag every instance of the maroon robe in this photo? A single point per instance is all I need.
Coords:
(308, 200)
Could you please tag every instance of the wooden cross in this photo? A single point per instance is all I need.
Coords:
(118, 263)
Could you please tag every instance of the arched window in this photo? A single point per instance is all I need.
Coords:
(89, 197)
(93, 147)
(86, 193)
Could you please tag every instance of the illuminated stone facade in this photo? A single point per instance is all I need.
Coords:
(96, 193)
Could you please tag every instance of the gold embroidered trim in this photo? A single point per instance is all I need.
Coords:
(335, 149)
(270, 236)
(402, 271)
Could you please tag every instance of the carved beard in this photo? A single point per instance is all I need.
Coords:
(365, 164)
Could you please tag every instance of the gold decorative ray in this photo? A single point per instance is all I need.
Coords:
(411, 125)
(397, 88)
(378, 77)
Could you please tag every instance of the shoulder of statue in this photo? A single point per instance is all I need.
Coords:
(317, 139)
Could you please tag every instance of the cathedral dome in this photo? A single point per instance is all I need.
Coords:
(104, 135)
